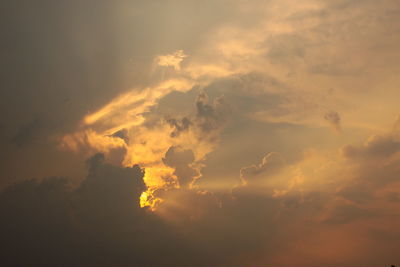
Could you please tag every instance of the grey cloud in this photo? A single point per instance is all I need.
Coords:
(181, 161)
(198, 205)
(270, 165)
(396, 126)
(333, 118)
(122, 134)
(207, 123)
(374, 166)
(35, 216)
(343, 39)
(99, 223)
(359, 193)
(211, 116)
(378, 146)
(393, 197)
(342, 4)
(250, 92)
(284, 48)
(179, 126)
(343, 214)
(335, 69)
(231, 99)
(28, 133)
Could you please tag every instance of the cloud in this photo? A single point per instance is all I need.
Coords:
(270, 165)
(179, 126)
(333, 118)
(68, 69)
(27, 133)
(149, 141)
(377, 146)
(182, 160)
(173, 60)
(373, 168)
(211, 117)
(396, 126)
(100, 223)
(342, 214)
(188, 91)
(123, 134)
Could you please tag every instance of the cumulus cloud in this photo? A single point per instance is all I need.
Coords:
(181, 160)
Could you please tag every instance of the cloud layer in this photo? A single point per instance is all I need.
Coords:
(208, 133)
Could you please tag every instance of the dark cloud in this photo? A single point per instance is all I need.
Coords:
(396, 126)
(359, 193)
(377, 146)
(210, 116)
(100, 223)
(198, 205)
(374, 165)
(179, 126)
(333, 118)
(335, 69)
(285, 47)
(49, 223)
(181, 160)
(27, 134)
(249, 93)
(256, 174)
(393, 197)
(35, 216)
(123, 134)
(343, 214)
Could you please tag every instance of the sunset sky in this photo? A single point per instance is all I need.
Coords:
(200, 133)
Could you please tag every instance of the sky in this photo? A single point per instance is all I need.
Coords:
(200, 133)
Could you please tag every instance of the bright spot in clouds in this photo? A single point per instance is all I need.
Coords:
(220, 133)
(173, 60)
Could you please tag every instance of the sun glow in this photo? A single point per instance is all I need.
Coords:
(148, 200)
(121, 129)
